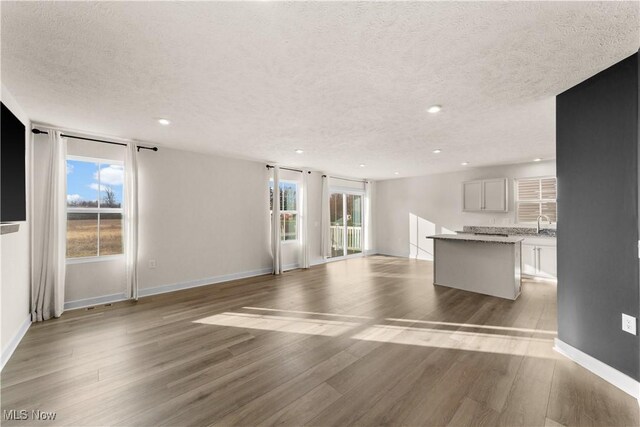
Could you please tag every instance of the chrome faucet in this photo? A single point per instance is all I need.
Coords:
(540, 217)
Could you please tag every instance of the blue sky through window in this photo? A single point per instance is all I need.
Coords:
(288, 195)
(83, 189)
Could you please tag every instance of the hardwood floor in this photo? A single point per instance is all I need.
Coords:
(367, 341)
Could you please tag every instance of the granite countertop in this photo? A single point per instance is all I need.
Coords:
(478, 238)
(511, 230)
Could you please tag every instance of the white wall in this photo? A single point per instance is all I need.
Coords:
(203, 218)
(15, 270)
(407, 210)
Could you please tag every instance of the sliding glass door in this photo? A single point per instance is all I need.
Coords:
(346, 231)
(337, 229)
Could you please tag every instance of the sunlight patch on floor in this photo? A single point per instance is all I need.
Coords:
(493, 339)
(308, 312)
(471, 325)
(295, 325)
(458, 340)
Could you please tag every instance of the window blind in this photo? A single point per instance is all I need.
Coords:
(536, 196)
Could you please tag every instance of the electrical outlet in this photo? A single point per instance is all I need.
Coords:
(152, 263)
(629, 324)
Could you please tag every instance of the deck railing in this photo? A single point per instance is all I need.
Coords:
(354, 237)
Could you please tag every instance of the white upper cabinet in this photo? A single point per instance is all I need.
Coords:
(488, 195)
(472, 196)
(495, 195)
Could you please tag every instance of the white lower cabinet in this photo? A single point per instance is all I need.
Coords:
(529, 257)
(547, 261)
(539, 260)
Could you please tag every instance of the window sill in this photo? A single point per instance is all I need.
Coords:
(288, 242)
(90, 259)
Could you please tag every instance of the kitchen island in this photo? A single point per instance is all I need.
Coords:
(484, 264)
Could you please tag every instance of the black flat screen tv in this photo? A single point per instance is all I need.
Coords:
(13, 204)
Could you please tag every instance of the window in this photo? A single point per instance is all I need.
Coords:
(536, 196)
(288, 209)
(94, 207)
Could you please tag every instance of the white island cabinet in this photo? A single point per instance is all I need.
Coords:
(489, 265)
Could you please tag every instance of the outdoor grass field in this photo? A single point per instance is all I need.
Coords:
(82, 234)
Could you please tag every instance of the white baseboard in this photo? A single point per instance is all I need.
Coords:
(7, 352)
(202, 282)
(106, 299)
(604, 371)
(319, 261)
(290, 267)
(90, 302)
(423, 257)
(395, 254)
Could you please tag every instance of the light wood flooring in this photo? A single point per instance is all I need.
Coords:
(366, 341)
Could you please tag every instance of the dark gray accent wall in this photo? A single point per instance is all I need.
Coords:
(597, 125)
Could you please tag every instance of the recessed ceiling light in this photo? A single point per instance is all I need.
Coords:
(299, 151)
(362, 165)
(434, 109)
(396, 173)
(538, 159)
(164, 122)
(464, 163)
(437, 151)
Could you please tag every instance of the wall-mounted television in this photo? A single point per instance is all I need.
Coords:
(13, 204)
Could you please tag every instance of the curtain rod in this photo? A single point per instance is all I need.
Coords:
(38, 131)
(347, 179)
(288, 169)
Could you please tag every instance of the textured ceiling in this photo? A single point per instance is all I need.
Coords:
(348, 83)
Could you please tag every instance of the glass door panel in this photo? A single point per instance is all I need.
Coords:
(354, 224)
(346, 231)
(336, 226)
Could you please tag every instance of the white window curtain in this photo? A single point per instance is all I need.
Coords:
(368, 231)
(305, 226)
(276, 244)
(131, 220)
(49, 269)
(325, 250)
